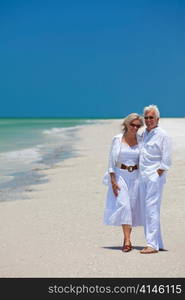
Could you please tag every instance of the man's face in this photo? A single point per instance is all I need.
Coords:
(150, 120)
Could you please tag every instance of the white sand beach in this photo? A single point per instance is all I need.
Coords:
(58, 231)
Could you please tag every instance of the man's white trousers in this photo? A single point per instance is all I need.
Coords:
(151, 194)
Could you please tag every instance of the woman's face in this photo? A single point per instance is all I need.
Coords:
(134, 126)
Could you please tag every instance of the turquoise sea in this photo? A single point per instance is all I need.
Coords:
(28, 146)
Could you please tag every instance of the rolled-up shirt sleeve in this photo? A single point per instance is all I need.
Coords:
(166, 150)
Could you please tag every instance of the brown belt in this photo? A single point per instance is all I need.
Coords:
(129, 168)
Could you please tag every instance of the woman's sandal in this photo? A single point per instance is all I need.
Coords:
(127, 248)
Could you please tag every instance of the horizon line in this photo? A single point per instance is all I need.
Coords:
(73, 117)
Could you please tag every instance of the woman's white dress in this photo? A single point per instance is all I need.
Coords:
(125, 208)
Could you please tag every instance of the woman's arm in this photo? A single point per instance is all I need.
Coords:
(115, 186)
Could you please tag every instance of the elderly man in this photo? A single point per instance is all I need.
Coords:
(155, 160)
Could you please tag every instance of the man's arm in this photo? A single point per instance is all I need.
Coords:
(166, 149)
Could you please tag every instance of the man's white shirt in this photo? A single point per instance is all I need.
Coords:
(155, 153)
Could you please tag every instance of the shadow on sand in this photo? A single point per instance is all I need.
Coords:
(134, 247)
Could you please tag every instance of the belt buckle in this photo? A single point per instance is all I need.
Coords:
(130, 169)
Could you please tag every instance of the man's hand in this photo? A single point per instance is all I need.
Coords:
(160, 172)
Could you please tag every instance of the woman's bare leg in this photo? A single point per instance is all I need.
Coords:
(127, 232)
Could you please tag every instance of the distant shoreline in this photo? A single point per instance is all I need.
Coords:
(29, 146)
(83, 118)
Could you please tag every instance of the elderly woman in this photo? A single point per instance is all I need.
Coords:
(122, 206)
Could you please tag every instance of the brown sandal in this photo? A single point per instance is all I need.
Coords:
(148, 250)
(127, 248)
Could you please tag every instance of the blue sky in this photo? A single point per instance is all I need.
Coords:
(67, 58)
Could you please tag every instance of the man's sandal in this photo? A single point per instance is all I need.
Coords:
(148, 250)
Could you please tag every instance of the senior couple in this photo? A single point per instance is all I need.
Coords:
(136, 175)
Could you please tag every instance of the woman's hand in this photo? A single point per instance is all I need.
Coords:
(115, 186)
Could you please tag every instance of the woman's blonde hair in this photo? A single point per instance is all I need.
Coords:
(127, 120)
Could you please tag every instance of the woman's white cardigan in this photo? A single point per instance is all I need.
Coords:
(114, 155)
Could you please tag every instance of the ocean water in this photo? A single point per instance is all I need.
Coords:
(28, 146)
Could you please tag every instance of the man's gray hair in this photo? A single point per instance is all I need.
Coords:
(152, 107)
